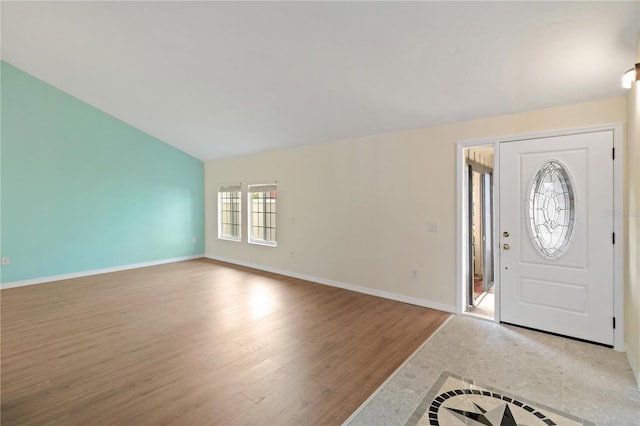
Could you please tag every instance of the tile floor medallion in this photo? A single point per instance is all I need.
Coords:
(453, 400)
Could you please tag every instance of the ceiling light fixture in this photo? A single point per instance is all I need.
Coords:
(630, 76)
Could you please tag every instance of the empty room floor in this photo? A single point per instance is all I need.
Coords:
(204, 342)
(198, 342)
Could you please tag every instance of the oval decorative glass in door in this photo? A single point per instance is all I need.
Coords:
(551, 209)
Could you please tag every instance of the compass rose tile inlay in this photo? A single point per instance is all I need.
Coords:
(456, 401)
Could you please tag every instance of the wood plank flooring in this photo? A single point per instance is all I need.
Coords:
(198, 343)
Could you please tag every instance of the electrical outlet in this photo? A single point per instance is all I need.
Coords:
(193, 240)
(6, 261)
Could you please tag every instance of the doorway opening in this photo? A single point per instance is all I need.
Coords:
(479, 288)
(525, 279)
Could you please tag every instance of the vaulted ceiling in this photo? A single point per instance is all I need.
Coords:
(222, 79)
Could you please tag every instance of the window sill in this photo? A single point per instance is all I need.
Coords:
(264, 243)
(237, 240)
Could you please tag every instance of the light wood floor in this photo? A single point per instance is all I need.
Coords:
(198, 342)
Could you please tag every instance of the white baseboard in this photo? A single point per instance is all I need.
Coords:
(97, 271)
(634, 367)
(346, 286)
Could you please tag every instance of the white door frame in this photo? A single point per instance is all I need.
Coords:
(461, 217)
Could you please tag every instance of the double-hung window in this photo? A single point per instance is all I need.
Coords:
(230, 212)
(261, 200)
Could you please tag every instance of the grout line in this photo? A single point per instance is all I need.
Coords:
(406, 361)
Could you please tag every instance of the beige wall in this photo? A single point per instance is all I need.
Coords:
(357, 211)
(632, 214)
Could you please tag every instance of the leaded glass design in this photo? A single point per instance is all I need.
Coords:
(551, 209)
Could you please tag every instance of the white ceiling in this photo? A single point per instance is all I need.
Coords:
(222, 79)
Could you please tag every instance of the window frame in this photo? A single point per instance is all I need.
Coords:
(231, 189)
(268, 223)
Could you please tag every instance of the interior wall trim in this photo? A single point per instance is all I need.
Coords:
(346, 286)
(634, 367)
(43, 280)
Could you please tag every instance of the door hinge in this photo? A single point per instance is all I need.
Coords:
(614, 322)
(613, 238)
(613, 153)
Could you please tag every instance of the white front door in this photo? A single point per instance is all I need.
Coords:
(556, 235)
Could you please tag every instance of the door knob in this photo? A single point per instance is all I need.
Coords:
(505, 234)
(506, 246)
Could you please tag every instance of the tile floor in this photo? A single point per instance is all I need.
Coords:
(584, 380)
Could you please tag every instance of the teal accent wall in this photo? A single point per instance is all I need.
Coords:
(82, 190)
